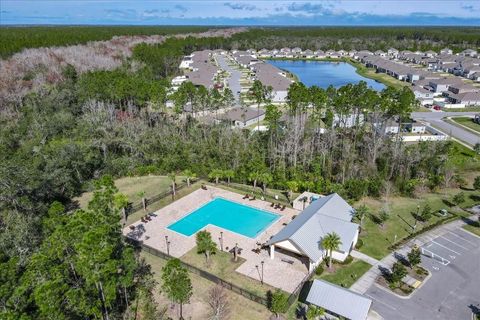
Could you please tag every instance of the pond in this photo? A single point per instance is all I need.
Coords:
(325, 73)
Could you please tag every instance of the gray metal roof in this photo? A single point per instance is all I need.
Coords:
(242, 114)
(325, 215)
(339, 300)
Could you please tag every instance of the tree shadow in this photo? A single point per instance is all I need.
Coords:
(474, 197)
(448, 203)
(375, 219)
(466, 188)
(401, 218)
(402, 259)
(471, 222)
(475, 309)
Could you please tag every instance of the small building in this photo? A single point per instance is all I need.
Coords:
(469, 53)
(339, 301)
(303, 235)
(304, 200)
(446, 51)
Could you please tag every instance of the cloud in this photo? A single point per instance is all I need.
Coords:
(181, 8)
(306, 7)
(240, 6)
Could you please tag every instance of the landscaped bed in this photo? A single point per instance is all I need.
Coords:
(222, 265)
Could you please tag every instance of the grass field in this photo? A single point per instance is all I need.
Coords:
(198, 308)
(467, 122)
(345, 275)
(222, 265)
(401, 220)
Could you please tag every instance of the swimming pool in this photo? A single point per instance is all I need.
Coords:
(229, 215)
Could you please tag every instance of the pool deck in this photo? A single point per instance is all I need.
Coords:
(276, 272)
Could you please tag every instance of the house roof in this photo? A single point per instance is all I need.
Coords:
(242, 114)
(339, 300)
(325, 215)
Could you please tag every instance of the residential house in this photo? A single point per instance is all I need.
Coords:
(469, 53)
(465, 99)
(380, 53)
(242, 117)
(271, 76)
(446, 51)
(392, 52)
(308, 54)
(319, 54)
(424, 96)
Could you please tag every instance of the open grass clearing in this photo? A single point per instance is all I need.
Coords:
(344, 275)
(377, 238)
(198, 308)
(132, 186)
(223, 266)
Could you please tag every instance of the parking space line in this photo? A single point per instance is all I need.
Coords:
(460, 237)
(441, 245)
(458, 245)
(384, 303)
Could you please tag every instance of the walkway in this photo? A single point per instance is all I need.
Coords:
(234, 79)
(368, 279)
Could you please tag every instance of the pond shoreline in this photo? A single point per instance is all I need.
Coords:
(359, 69)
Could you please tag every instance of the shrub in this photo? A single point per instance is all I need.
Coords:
(359, 244)
(348, 260)
(319, 270)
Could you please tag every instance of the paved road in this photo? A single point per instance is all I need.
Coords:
(436, 120)
(234, 79)
(451, 292)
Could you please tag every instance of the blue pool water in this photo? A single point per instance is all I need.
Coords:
(228, 215)
(325, 73)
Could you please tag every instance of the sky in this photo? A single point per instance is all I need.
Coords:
(266, 12)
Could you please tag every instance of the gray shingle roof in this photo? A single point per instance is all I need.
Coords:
(339, 300)
(325, 215)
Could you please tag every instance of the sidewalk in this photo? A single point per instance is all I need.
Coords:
(368, 279)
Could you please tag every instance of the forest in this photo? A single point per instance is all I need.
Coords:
(15, 39)
(61, 262)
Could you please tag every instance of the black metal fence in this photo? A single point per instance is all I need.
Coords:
(207, 275)
(148, 201)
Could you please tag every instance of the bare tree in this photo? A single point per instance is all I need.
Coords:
(219, 303)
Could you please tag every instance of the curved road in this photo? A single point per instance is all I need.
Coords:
(436, 120)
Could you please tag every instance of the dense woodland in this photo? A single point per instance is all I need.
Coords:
(14, 39)
(59, 262)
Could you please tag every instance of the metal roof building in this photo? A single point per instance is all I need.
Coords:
(303, 235)
(338, 300)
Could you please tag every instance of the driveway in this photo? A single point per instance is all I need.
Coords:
(234, 79)
(452, 292)
(436, 120)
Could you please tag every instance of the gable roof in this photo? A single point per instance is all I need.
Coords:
(325, 215)
(339, 300)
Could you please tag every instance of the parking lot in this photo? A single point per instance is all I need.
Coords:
(453, 290)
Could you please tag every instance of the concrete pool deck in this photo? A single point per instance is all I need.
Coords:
(276, 271)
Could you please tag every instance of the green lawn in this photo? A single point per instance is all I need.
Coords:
(380, 77)
(473, 229)
(241, 307)
(222, 265)
(467, 122)
(345, 275)
(377, 239)
(132, 186)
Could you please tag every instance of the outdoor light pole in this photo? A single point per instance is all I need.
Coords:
(262, 272)
(221, 240)
(168, 245)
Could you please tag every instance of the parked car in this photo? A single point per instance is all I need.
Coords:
(437, 108)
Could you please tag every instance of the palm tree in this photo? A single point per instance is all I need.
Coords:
(141, 194)
(216, 174)
(261, 94)
(265, 178)
(361, 212)
(254, 177)
(172, 176)
(229, 174)
(189, 175)
(292, 186)
(330, 242)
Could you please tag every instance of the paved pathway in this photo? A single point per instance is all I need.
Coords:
(368, 279)
(436, 120)
(234, 79)
(362, 256)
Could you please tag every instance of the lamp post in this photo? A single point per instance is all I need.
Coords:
(221, 240)
(168, 245)
(262, 272)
